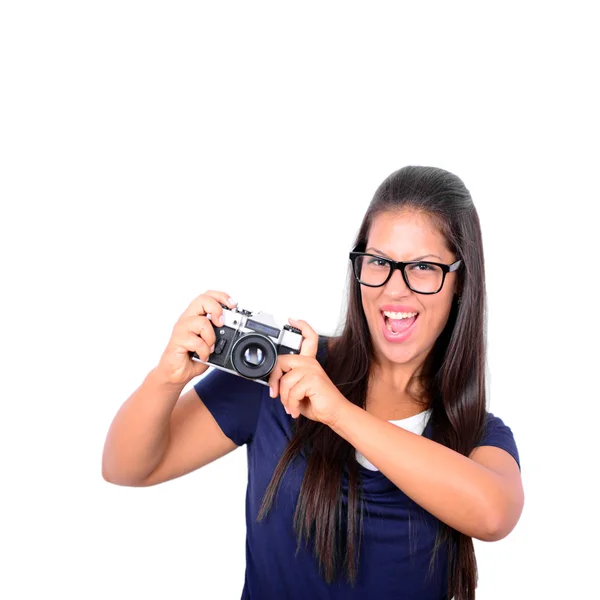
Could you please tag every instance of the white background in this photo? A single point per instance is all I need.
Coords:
(151, 151)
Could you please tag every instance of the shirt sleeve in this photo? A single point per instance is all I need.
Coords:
(500, 435)
(233, 401)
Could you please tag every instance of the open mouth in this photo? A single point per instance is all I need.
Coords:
(398, 323)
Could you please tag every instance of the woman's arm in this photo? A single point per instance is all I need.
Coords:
(480, 496)
(139, 433)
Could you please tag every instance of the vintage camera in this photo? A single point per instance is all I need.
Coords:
(248, 344)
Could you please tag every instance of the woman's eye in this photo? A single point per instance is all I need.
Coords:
(422, 267)
(377, 262)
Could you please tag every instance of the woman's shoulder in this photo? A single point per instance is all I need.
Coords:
(498, 433)
(493, 424)
(233, 401)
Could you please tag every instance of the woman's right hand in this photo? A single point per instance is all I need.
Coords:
(193, 332)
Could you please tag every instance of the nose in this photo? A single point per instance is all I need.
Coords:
(397, 284)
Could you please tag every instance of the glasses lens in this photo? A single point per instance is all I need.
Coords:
(371, 270)
(424, 277)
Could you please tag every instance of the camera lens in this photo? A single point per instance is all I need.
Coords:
(253, 356)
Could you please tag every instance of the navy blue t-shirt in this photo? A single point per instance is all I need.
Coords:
(388, 566)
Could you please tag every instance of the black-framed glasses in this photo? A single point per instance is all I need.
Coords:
(421, 276)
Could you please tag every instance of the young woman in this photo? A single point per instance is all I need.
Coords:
(372, 462)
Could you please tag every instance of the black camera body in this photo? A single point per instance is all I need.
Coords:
(248, 344)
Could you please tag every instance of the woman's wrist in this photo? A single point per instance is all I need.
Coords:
(340, 417)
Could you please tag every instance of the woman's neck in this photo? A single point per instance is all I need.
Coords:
(393, 398)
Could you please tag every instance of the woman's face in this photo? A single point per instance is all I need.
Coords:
(406, 236)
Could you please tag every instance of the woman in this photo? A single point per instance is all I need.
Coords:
(377, 462)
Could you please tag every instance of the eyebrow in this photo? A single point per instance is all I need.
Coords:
(417, 258)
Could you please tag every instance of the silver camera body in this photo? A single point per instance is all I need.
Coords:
(248, 344)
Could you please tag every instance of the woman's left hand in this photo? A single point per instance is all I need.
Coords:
(303, 385)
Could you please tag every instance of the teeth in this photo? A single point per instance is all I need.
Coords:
(401, 315)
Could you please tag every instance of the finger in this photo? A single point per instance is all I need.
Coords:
(209, 302)
(282, 366)
(202, 327)
(274, 378)
(310, 343)
(213, 312)
(296, 396)
(286, 383)
(288, 362)
(192, 343)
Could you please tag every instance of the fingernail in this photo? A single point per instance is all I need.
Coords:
(271, 392)
(232, 301)
(221, 320)
(212, 348)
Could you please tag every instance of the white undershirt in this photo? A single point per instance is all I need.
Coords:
(415, 424)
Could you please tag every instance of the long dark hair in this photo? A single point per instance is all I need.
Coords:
(452, 381)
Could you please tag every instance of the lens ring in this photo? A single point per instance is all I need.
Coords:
(240, 348)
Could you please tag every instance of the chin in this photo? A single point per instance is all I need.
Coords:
(399, 356)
